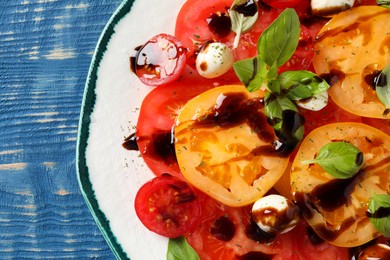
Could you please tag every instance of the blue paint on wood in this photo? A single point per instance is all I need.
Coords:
(45, 51)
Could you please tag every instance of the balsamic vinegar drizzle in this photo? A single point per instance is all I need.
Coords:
(257, 234)
(219, 24)
(159, 146)
(328, 196)
(381, 212)
(377, 249)
(130, 143)
(223, 229)
(249, 8)
(235, 109)
(373, 79)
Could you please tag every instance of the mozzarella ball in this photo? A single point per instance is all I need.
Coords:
(275, 214)
(328, 8)
(314, 103)
(214, 60)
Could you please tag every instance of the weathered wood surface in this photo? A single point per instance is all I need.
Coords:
(45, 50)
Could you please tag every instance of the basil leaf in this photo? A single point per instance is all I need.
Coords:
(252, 72)
(283, 116)
(272, 72)
(278, 42)
(302, 84)
(292, 129)
(378, 210)
(274, 86)
(178, 249)
(383, 3)
(382, 86)
(243, 15)
(340, 159)
(274, 107)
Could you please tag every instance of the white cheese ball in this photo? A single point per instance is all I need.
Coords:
(328, 8)
(275, 214)
(214, 60)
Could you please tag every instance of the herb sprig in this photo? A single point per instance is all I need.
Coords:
(382, 87)
(342, 160)
(275, 47)
(378, 209)
(243, 15)
(384, 3)
(178, 249)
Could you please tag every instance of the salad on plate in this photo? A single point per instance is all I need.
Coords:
(267, 127)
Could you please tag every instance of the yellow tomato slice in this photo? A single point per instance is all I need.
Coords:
(225, 147)
(350, 51)
(336, 208)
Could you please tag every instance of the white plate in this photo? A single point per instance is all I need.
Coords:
(109, 175)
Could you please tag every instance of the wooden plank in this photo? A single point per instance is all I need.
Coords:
(45, 51)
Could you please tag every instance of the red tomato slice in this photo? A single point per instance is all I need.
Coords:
(160, 60)
(168, 206)
(193, 29)
(365, 2)
(309, 246)
(157, 115)
(329, 114)
(282, 3)
(303, 55)
(333, 114)
(192, 24)
(227, 233)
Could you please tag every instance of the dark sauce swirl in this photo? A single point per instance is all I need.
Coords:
(234, 109)
(248, 8)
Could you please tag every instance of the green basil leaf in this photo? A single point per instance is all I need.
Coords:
(272, 72)
(378, 206)
(382, 86)
(242, 22)
(302, 84)
(278, 42)
(283, 116)
(274, 86)
(178, 249)
(274, 107)
(252, 72)
(340, 159)
(292, 130)
(383, 3)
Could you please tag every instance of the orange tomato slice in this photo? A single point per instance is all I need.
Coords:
(350, 50)
(225, 147)
(336, 208)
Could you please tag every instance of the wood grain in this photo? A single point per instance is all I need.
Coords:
(45, 50)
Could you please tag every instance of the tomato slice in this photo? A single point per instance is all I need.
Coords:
(229, 233)
(193, 27)
(192, 24)
(331, 113)
(160, 60)
(154, 131)
(225, 147)
(349, 50)
(167, 206)
(336, 208)
(281, 3)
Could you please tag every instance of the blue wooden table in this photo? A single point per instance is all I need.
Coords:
(45, 50)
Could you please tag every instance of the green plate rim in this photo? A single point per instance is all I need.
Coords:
(87, 108)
